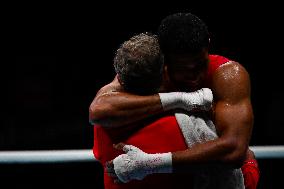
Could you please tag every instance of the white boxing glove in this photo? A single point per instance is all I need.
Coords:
(201, 99)
(136, 164)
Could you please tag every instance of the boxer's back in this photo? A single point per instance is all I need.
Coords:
(162, 135)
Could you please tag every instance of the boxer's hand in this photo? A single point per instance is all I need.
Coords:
(136, 164)
(201, 99)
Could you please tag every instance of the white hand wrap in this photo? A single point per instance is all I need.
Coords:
(201, 99)
(136, 164)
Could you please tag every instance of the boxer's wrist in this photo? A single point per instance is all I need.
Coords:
(201, 99)
(162, 163)
(170, 101)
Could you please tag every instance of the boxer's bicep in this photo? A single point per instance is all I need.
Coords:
(233, 110)
(234, 122)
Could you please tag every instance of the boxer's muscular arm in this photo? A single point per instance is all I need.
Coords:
(233, 121)
(114, 108)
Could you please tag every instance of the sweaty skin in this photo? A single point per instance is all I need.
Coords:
(113, 107)
(233, 117)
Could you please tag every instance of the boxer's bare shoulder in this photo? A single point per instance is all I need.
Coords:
(231, 82)
(110, 88)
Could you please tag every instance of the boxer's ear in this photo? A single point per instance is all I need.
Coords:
(119, 80)
(166, 69)
(165, 73)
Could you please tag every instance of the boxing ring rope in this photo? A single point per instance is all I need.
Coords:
(65, 156)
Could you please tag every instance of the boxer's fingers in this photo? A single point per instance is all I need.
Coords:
(110, 169)
(119, 146)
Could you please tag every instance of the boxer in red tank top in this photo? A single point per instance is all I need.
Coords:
(155, 138)
(186, 61)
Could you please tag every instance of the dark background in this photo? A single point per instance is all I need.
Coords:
(62, 57)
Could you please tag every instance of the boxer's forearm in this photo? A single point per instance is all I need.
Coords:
(118, 109)
(115, 109)
(210, 154)
(136, 164)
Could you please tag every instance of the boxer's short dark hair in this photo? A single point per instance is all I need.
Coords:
(183, 33)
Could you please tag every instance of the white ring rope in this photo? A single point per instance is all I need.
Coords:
(46, 156)
(61, 156)
(268, 152)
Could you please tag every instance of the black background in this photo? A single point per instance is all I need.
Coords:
(63, 54)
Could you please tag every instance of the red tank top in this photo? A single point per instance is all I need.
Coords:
(214, 63)
(162, 135)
